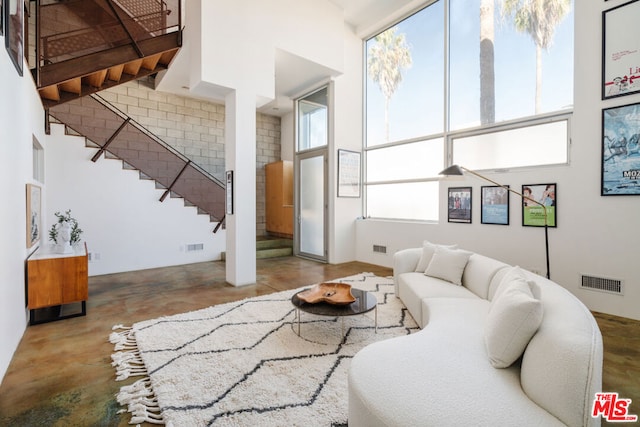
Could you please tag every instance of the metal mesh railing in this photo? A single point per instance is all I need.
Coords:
(113, 132)
(75, 28)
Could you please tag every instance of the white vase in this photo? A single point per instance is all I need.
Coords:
(63, 239)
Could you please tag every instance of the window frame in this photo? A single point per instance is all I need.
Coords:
(447, 135)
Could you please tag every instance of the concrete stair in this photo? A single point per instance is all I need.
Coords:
(271, 247)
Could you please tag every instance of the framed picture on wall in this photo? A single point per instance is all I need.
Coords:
(459, 204)
(1, 17)
(544, 198)
(13, 11)
(34, 214)
(348, 173)
(494, 205)
(621, 50)
(621, 151)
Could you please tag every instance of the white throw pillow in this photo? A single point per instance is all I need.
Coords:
(428, 249)
(515, 273)
(514, 317)
(448, 264)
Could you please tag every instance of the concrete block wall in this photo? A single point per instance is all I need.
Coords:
(195, 128)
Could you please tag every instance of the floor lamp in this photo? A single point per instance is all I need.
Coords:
(460, 170)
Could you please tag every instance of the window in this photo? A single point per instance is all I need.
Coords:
(37, 156)
(312, 120)
(501, 86)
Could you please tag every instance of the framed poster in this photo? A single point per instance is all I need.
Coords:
(348, 173)
(13, 26)
(459, 205)
(34, 214)
(494, 205)
(621, 151)
(229, 192)
(621, 50)
(533, 210)
(1, 17)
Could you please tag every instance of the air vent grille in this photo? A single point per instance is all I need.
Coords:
(379, 249)
(602, 284)
(195, 247)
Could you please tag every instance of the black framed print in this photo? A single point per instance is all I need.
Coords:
(13, 28)
(494, 205)
(1, 17)
(538, 198)
(621, 50)
(621, 151)
(459, 204)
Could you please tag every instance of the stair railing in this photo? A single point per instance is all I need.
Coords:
(117, 135)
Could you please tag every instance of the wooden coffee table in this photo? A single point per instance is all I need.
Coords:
(365, 302)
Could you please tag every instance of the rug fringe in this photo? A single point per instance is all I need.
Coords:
(141, 402)
(139, 397)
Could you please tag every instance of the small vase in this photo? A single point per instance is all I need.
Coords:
(63, 240)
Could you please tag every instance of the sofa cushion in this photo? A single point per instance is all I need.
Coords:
(516, 273)
(414, 287)
(514, 317)
(481, 273)
(428, 249)
(448, 264)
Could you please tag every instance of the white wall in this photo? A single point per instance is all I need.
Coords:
(595, 235)
(347, 135)
(243, 36)
(124, 222)
(21, 117)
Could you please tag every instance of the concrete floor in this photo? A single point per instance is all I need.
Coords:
(61, 373)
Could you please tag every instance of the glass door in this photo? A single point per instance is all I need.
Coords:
(311, 175)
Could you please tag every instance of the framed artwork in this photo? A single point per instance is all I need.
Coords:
(229, 192)
(13, 11)
(1, 17)
(621, 50)
(494, 205)
(34, 214)
(621, 151)
(533, 213)
(348, 173)
(459, 205)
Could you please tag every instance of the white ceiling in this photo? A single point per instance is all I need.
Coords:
(292, 73)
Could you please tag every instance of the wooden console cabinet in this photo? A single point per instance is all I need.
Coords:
(54, 280)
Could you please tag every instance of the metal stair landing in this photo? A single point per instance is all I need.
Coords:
(84, 46)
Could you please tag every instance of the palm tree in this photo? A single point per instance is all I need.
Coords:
(487, 73)
(539, 19)
(386, 60)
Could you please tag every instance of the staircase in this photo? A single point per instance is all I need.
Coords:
(84, 46)
(271, 247)
(116, 135)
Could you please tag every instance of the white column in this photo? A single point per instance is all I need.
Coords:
(240, 157)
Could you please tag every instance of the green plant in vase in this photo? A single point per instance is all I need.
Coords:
(65, 232)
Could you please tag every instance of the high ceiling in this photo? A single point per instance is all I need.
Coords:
(293, 74)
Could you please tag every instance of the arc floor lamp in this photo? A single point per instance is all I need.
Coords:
(454, 170)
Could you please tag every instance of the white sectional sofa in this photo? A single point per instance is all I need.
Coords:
(505, 347)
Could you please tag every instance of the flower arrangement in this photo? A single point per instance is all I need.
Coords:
(67, 219)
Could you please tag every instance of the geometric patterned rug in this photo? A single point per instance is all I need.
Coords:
(243, 364)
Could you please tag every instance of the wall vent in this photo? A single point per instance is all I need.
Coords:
(602, 284)
(195, 247)
(379, 249)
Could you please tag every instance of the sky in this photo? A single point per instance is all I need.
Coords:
(416, 109)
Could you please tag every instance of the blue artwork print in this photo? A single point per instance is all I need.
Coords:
(621, 150)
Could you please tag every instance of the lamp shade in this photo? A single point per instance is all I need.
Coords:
(452, 170)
